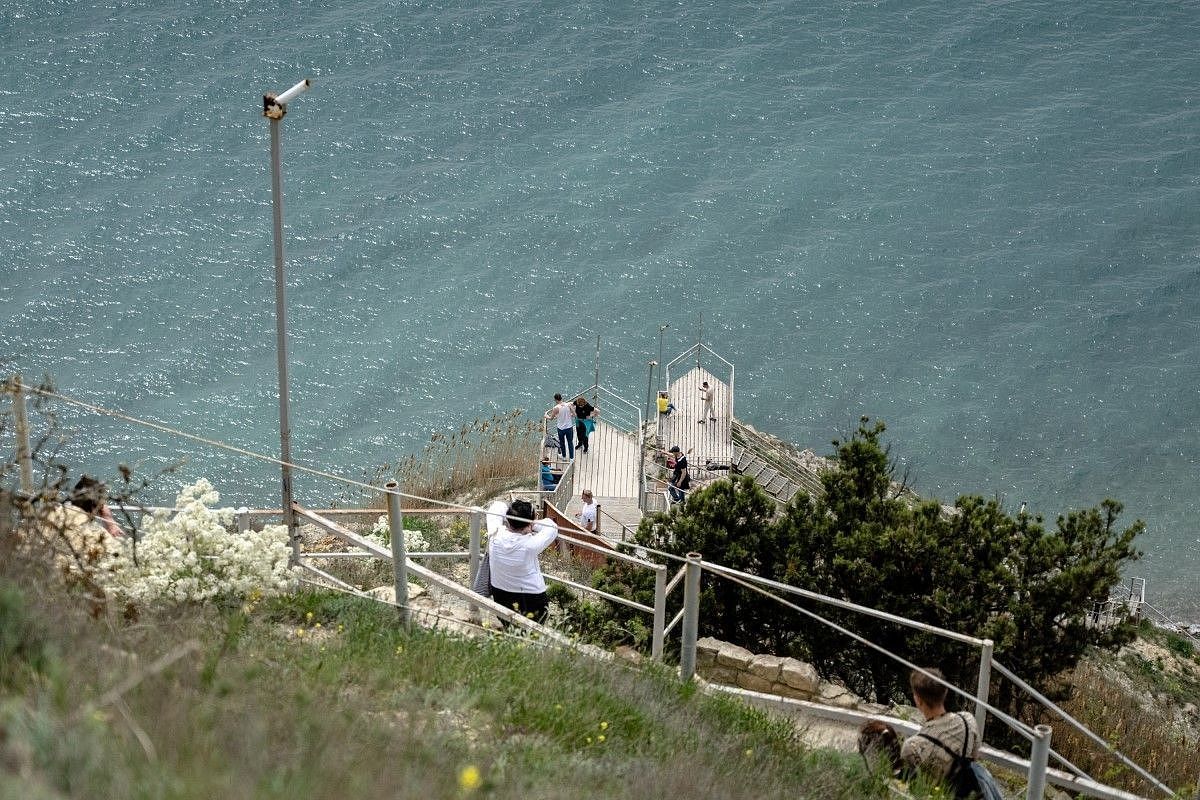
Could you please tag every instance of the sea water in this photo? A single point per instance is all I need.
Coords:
(976, 221)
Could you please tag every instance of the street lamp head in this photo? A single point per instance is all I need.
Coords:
(275, 106)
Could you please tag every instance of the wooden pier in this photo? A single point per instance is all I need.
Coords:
(707, 443)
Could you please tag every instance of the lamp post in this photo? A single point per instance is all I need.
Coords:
(642, 439)
(662, 328)
(275, 109)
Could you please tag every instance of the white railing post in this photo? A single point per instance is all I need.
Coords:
(691, 617)
(1038, 758)
(399, 558)
(984, 686)
(243, 519)
(473, 554)
(24, 454)
(474, 557)
(660, 611)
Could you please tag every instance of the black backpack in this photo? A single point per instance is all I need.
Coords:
(967, 777)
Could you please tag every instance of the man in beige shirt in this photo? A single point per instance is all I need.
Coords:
(957, 732)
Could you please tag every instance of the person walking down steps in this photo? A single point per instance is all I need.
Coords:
(708, 412)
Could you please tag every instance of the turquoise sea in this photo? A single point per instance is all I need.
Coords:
(976, 220)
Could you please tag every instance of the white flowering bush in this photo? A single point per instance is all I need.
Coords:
(189, 556)
(414, 541)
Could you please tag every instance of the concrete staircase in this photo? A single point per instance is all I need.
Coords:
(777, 466)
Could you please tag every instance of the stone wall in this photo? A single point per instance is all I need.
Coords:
(721, 662)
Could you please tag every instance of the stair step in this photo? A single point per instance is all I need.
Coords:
(765, 477)
(774, 486)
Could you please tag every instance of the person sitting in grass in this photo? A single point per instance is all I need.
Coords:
(945, 740)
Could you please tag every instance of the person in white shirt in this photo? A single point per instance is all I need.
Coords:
(706, 395)
(587, 516)
(563, 415)
(515, 542)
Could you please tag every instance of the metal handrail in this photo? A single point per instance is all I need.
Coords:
(599, 593)
(870, 612)
(632, 423)
(1166, 619)
(694, 348)
(980, 699)
(459, 554)
(626, 531)
(670, 587)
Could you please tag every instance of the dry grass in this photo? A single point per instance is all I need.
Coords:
(1135, 704)
(482, 458)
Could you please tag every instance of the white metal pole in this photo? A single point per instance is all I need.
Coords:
(641, 488)
(660, 611)
(691, 617)
(274, 109)
(399, 557)
(1038, 758)
(661, 329)
(474, 557)
(983, 687)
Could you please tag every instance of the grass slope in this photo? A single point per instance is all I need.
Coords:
(323, 696)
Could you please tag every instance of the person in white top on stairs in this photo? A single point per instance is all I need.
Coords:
(587, 516)
(563, 415)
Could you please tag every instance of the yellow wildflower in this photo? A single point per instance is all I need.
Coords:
(469, 778)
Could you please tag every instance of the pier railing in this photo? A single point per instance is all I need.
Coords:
(699, 355)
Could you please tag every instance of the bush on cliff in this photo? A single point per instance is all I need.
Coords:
(977, 570)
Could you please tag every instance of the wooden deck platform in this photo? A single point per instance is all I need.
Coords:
(610, 467)
(707, 441)
(610, 470)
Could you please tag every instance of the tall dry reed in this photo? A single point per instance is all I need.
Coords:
(482, 457)
(1143, 734)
